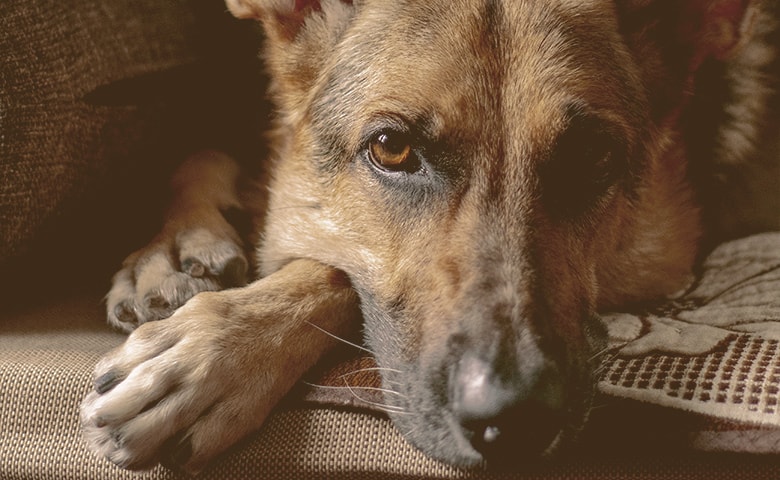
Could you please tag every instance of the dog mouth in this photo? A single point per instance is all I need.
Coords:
(499, 430)
(490, 407)
(502, 417)
(471, 417)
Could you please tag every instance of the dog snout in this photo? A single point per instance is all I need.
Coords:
(505, 412)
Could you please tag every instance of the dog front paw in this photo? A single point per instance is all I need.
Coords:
(184, 390)
(158, 279)
(181, 391)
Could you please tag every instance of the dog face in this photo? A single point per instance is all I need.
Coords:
(488, 174)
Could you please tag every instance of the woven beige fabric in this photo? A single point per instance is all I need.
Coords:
(46, 360)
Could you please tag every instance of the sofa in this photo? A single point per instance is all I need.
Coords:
(98, 103)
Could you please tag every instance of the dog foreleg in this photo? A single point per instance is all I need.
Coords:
(183, 390)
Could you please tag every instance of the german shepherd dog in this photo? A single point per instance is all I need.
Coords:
(470, 181)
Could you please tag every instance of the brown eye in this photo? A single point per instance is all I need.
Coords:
(586, 161)
(391, 151)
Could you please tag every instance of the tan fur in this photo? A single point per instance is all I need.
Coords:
(552, 181)
(224, 331)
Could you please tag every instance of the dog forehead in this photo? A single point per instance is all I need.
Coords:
(465, 64)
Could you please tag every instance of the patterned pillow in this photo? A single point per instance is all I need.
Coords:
(714, 350)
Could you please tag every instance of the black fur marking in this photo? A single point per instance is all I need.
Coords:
(588, 158)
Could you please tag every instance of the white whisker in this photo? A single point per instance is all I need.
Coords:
(350, 387)
(600, 353)
(339, 338)
(387, 408)
(372, 369)
(411, 431)
(327, 387)
(375, 369)
(377, 389)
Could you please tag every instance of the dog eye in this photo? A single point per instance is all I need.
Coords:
(586, 161)
(392, 152)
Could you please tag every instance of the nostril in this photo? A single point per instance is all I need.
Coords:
(526, 430)
(506, 415)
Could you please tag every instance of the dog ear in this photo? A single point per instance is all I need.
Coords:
(300, 34)
(283, 19)
(671, 39)
(698, 28)
(716, 27)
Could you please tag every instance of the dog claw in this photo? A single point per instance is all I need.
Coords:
(155, 301)
(106, 382)
(193, 268)
(124, 313)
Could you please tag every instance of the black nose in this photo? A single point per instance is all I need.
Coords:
(507, 413)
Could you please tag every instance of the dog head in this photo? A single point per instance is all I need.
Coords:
(488, 174)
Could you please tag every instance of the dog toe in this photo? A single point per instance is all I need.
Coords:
(120, 302)
(160, 278)
(124, 313)
(127, 418)
(205, 254)
(174, 291)
(158, 306)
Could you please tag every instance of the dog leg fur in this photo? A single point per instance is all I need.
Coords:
(197, 250)
(182, 390)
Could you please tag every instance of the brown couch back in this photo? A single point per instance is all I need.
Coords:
(98, 102)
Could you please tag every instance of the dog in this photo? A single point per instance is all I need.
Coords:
(468, 181)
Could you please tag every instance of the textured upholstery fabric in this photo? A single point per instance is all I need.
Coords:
(52, 55)
(99, 101)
